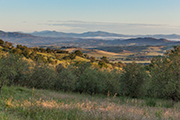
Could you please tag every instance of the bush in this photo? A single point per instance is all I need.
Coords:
(66, 78)
(151, 102)
(88, 82)
(112, 82)
(42, 77)
(165, 80)
(134, 80)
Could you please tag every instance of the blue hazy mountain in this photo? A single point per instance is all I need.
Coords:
(31, 40)
(48, 33)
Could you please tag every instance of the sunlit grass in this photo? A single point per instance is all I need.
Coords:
(24, 103)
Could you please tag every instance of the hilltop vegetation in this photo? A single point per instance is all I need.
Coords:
(132, 80)
(32, 68)
(55, 56)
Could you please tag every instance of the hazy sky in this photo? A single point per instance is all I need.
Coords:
(118, 16)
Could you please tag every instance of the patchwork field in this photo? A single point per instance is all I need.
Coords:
(125, 54)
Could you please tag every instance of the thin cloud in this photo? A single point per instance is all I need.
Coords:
(76, 22)
(123, 28)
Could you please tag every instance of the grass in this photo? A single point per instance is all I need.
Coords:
(19, 103)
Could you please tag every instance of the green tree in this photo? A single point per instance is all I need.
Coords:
(66, 79)
(1, 42)
(92, 59)
(27, 52)
(42, 77)
(72, 56)
(165, 72)
(12, 69)
(42, 50)
(133, 81)
(48, 50)
(104, 59)
(78, 53)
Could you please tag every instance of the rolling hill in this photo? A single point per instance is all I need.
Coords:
(48, 33)
(30, 40)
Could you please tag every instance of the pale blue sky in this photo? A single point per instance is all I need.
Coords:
(118, 16)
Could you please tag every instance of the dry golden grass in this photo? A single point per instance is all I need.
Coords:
(48, 103)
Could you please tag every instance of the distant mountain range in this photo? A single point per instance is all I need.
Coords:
(32, 40)
(86, 34)
(99, 33)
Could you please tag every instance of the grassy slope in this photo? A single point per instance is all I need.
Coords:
(62, 55)
(23, 103)
(112, 56)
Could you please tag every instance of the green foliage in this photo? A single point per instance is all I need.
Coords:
(165, 74)
(151, 102)
(72, 56)
(13, 70)
(16, 51)
(166, 77)
(112, 82)
(92, 59)
(40, 58)
(42, 50)
(102, 64)
(66, 78)
(42, 77)
(104, 59)
(33, 55)
(66, 58)
(134, 80)
(78, 53)
(48, 50)
(61, 51)
(21, 47)
(1, 42)
(26, 53)
(88, 81)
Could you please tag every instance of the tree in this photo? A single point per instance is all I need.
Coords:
(134, 80)
(92, 59)
(78, 53)
(72, 56)
(42, 49)
(26, 53)
(66, 79)
(12, 69)
(86, 56)
(48, 50)
(1, 42)
(104, 58)
(42, 77)
(165, 72)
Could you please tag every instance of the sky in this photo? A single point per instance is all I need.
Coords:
(78, 16)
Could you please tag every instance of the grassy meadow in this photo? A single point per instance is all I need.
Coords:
(20, 103)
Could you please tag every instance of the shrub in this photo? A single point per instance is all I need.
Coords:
(13, 70)
(165, 80)
(112, 82)
(134, 80)
(42, 77)
(66, 78)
